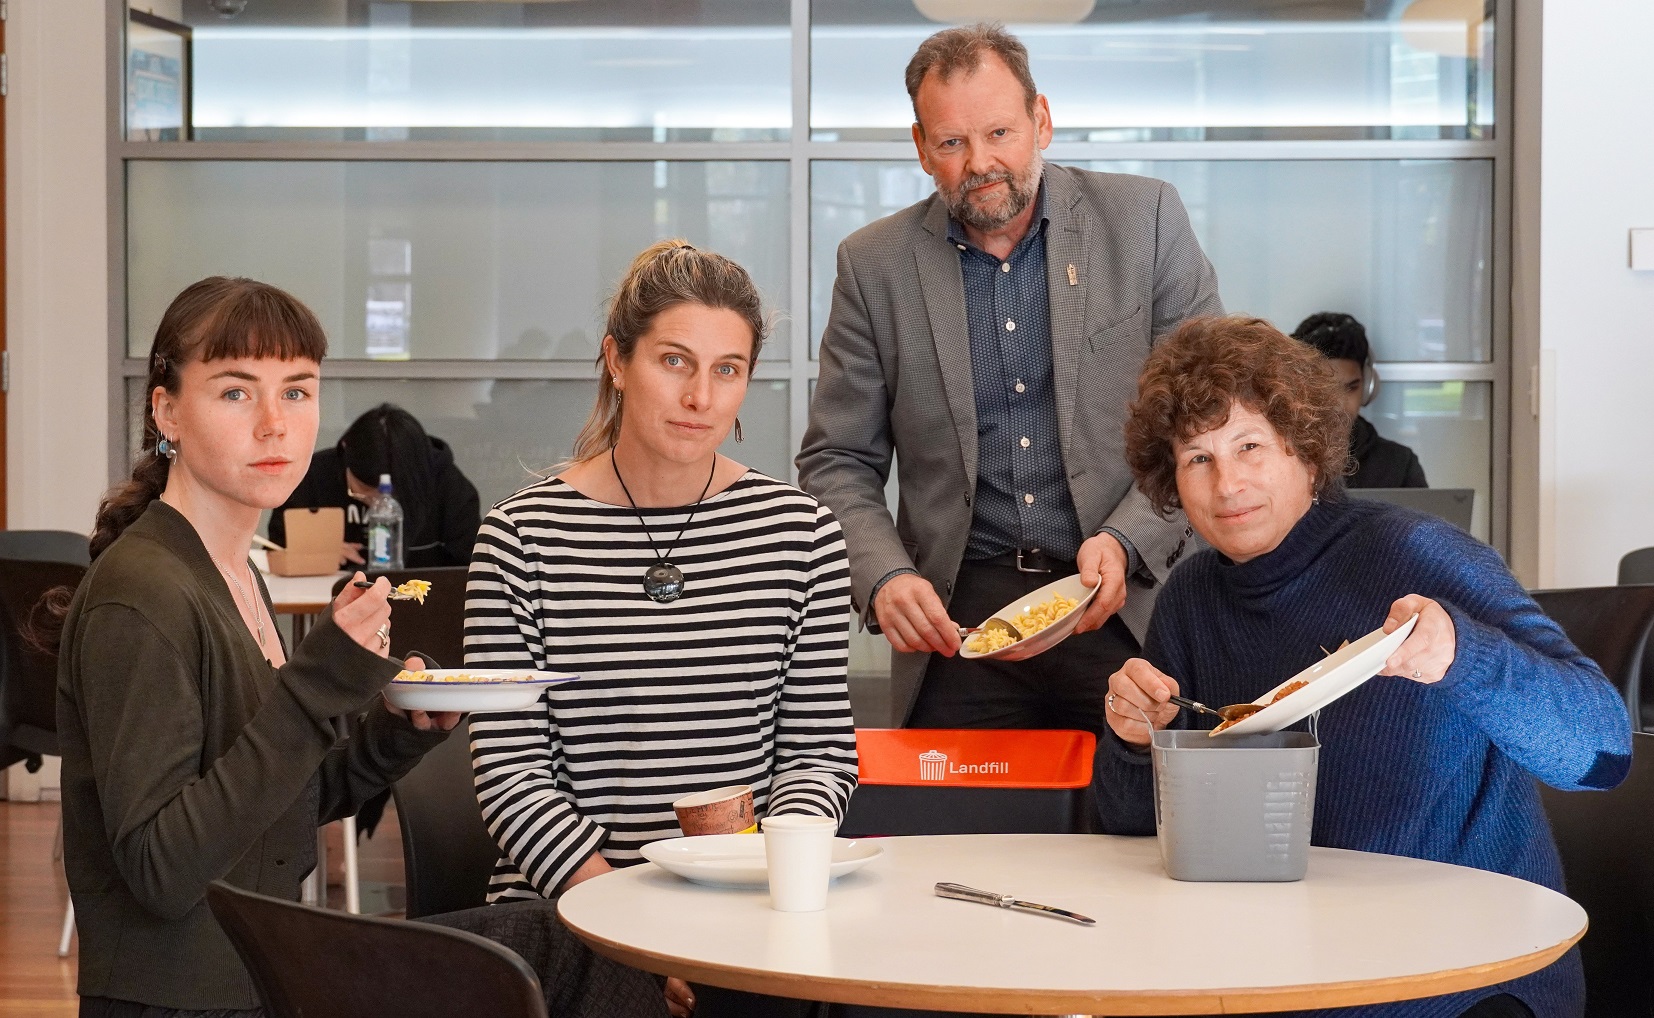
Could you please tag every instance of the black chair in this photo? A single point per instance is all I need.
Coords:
(1607, 845)
(1611, 625)
(28, 678)
(436, 627)
(447, 853)
(45, 546)
(1637, 566)
(317, 963)
(1045, 787)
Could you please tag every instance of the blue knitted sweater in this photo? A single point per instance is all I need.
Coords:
(1442, 771)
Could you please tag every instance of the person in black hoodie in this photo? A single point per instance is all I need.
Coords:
(1380, 463)
(440, 507)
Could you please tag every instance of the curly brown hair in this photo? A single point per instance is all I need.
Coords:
(1192, 380)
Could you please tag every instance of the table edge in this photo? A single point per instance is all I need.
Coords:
(839, 990)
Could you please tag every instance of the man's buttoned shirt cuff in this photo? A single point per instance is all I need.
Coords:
(1134, 561)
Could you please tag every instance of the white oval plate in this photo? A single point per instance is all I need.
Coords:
(1050, 636)
(737, 860)
(491, 689)
(1329, 679)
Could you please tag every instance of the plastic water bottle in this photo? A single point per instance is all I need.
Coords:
(384, 529)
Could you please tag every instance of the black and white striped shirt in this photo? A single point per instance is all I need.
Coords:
(739, 681)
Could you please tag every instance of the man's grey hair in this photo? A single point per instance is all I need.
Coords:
(961, 49)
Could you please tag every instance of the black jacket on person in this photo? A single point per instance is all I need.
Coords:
(1382, 463)
(445, 535)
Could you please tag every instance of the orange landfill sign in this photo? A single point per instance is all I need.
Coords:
(976, 758)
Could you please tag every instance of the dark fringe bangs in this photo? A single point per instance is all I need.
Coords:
(259, 321)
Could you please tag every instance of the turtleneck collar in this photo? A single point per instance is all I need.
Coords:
(1261, 577)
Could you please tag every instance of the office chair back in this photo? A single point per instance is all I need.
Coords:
(1637, 566)
(318, 963)
(28, 678)
(447, 853)
(1611, 626)
(967, 781)
(1605, 840)
(436, 627)
(46, 546)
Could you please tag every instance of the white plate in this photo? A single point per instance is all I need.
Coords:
(1051, 635)
(737, 860)
(1329, 679)
(498, 689)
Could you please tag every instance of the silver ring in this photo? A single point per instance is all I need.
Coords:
(1108, 704)
(384, 634)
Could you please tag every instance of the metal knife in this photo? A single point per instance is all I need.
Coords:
(964, 893)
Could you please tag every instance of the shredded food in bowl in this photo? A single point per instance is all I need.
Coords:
(1029, 622)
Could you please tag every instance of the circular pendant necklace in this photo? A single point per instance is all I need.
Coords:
(663, 581)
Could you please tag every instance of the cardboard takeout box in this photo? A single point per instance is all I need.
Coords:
(314, 537)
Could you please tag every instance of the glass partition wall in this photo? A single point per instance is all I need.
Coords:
(456, 187)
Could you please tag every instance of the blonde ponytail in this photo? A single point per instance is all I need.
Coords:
(665, 275)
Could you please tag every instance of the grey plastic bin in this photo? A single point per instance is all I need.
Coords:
(1237, 807)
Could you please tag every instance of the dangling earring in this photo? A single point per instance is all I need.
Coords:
(167, 447)
(738, 437)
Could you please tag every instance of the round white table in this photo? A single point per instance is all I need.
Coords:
(1359, 929)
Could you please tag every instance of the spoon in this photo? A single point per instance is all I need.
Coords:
(1233, 712)
(995, 624)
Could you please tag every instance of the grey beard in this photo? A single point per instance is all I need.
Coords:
(1021, 195)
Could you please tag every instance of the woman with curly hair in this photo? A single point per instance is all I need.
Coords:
(1242, 427)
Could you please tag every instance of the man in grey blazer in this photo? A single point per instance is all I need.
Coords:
(988, 339)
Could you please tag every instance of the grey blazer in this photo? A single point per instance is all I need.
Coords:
(895, 381)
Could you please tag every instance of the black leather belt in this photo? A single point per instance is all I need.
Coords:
(1029, 560)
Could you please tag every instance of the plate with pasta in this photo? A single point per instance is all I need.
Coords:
(1045, 618)
(1321, 683)
(469, 689)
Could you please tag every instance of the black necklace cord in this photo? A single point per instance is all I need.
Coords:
(692, 509)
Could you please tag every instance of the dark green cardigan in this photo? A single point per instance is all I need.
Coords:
(187, 758)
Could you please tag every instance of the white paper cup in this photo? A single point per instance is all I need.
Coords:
(799, 852)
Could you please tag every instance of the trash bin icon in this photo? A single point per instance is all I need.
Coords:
(933, 766)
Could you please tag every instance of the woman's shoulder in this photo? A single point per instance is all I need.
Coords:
(1191, 579)
(1389, 527)
(143, 570)
(546, 495)
(758, 490)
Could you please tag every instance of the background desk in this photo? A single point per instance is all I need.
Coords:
(1359, 929)
(299, 597)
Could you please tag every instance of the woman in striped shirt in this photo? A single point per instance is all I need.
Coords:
(704, 605)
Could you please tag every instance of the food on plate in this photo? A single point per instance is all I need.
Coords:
(1280, 694)
(1039, 617)
(456, 677)
(1288, 689)
(989, 640)
(414, 590)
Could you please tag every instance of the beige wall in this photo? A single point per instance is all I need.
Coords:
(57, 292)
(57, 321)
(1583, 471)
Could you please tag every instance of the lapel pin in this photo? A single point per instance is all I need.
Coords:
(1073, 277)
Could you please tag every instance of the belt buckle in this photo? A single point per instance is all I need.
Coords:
(1033, 555)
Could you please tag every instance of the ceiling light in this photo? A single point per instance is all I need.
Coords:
(1019, 12)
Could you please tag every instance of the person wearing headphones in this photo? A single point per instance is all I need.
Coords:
(1380, 463)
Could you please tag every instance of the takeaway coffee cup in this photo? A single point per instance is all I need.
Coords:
(799, 852)
(726, 810)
